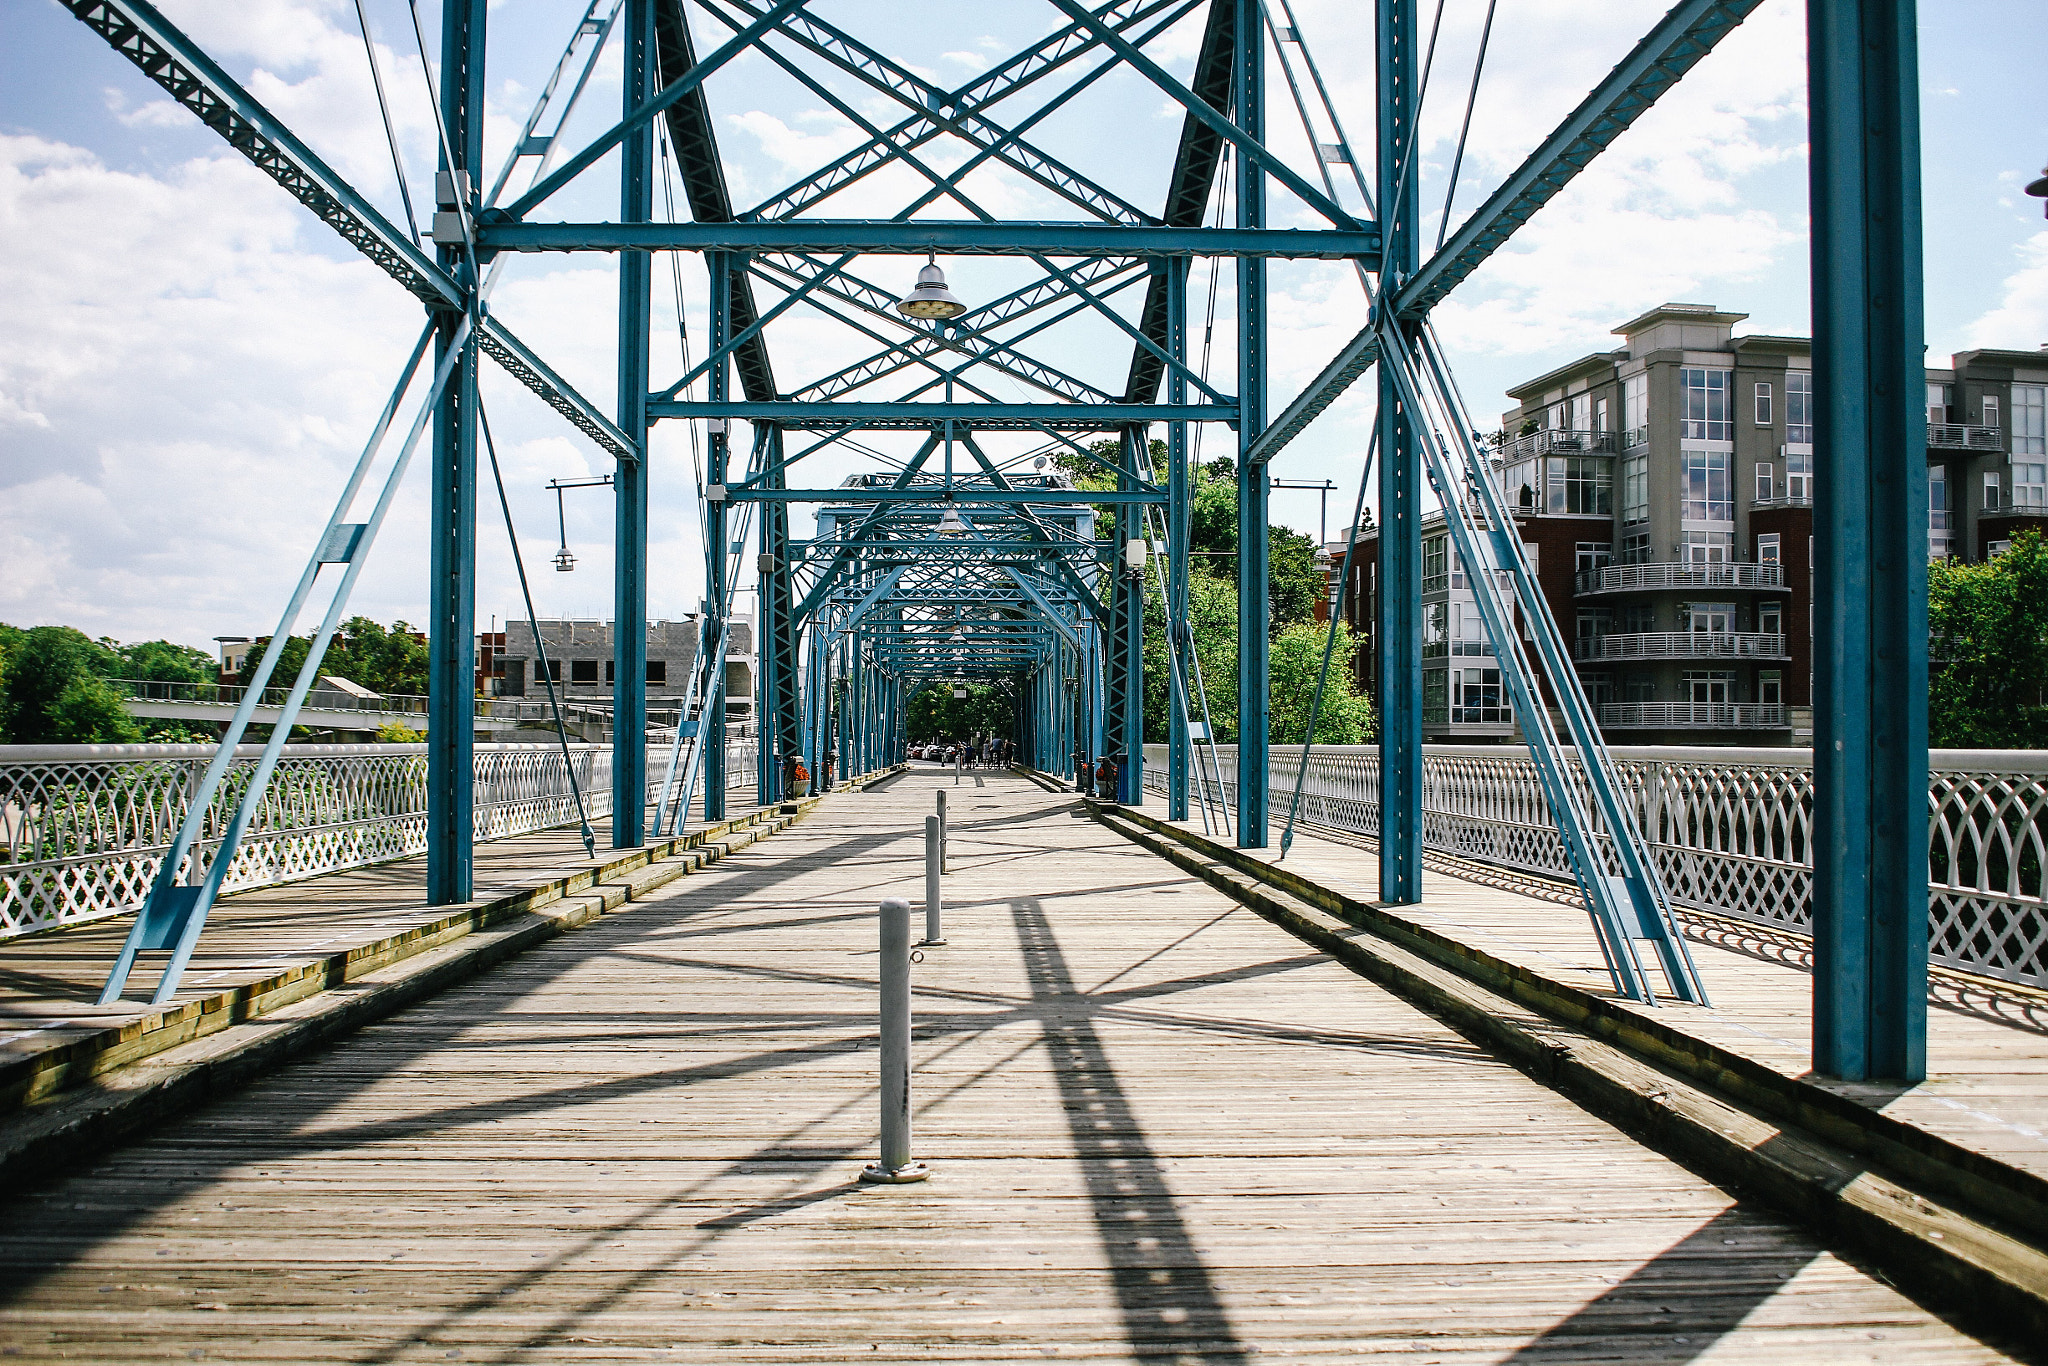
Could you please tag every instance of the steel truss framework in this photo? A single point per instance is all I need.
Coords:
(967, 561)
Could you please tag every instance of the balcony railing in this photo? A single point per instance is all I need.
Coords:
(2006, 507)
(1634, 437)
(1554, 442)
(1960, 436)
(1790, 500)
(1641, 578)
(1693, 716)
(1682, 645)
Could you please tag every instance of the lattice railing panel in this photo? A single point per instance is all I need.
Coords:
(85, 828)
(1731, 831)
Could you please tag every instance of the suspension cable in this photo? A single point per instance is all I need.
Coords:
(539, 646)
(1443, 226)
(384, 108)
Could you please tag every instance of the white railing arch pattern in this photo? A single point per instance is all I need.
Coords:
(84, 828)
(1731, 830)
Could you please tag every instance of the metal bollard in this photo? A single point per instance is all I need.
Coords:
(934, 862)
(945, 842)
(896, 1165)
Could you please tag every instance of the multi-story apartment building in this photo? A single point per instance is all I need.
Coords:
(1664, 493)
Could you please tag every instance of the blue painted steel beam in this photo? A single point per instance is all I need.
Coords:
(1399, 628)
(639, 118)
(1870, 543)
(1326, 388)
(1248, 139)
(1106, 417)
(1254, 579)
(1049, 55)
(629, 499)
(965, 497)
(451, 629)
(1179, 507)
(831, 238)
(1677, 43)
(194, 80)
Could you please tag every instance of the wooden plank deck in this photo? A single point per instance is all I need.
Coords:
(1162, 1130)
(1987, 1042)
(50, 983)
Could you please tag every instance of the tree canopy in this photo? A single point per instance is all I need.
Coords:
(1988, 625)
(392, 661)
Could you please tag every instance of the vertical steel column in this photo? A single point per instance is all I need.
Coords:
(1127, 638)
(629, 531)
(770, 604)
(1399, 628)
(1870, 542)
(1180, 640)
(1254, 603)
(786, 699)
(717, 455)
(451, 633)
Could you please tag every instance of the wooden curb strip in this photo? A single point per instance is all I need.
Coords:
(1981, 1266)
(70, 1103)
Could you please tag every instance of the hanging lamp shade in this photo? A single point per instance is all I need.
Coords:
(951, 523)
(931, 299)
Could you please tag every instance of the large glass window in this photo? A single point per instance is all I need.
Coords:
(1635, 488)
(1992, 483)
(1477, 697)
(1582, 412)
(1798, 476)
(1799, 407)
(1763, 404)
(1635, 406)
(1704, 394)
(1938, 396)
(1709, 486)
(2030, 419)
(1433, 563)
(1990, 407)
(1763, 481)
(1434, 705)
(1707, 547)
(1711, 687)
(1715, 617)
(2030, 483)
(1635, 549)
(1770, 687)
(1578, 483)
(1941, 540)
(1590, 555)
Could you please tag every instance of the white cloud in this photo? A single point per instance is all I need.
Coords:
(2021, 319)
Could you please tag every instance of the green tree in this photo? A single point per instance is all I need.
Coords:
(88, 712)
(935, 714)
(1989, 624)
(398, 733)
(1212, 617)
(1346, 717)
(161, 661)
(389, 661)
(56, 691)
(1293, 582)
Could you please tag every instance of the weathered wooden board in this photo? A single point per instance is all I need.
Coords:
(1161, 1130)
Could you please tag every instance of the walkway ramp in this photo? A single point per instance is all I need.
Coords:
(1162, 1129)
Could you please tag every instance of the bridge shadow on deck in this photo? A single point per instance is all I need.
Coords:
(1170, 1305)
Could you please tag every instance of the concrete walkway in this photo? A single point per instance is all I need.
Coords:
(1162, 1129)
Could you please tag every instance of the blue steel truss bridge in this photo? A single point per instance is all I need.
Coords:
(964, 549)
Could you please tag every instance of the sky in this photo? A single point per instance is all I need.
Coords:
(190, 362)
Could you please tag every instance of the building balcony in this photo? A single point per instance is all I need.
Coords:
(1554, 443)
(1790, 500)
(1647, 578)
(1692, 716)
(1681, 645)
(1954, 436)
(2006, 507)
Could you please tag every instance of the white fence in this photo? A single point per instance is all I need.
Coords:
(84, 828)
(1730, 828)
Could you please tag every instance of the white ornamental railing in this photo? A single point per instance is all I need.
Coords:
(1730, 829)
(84, 828)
